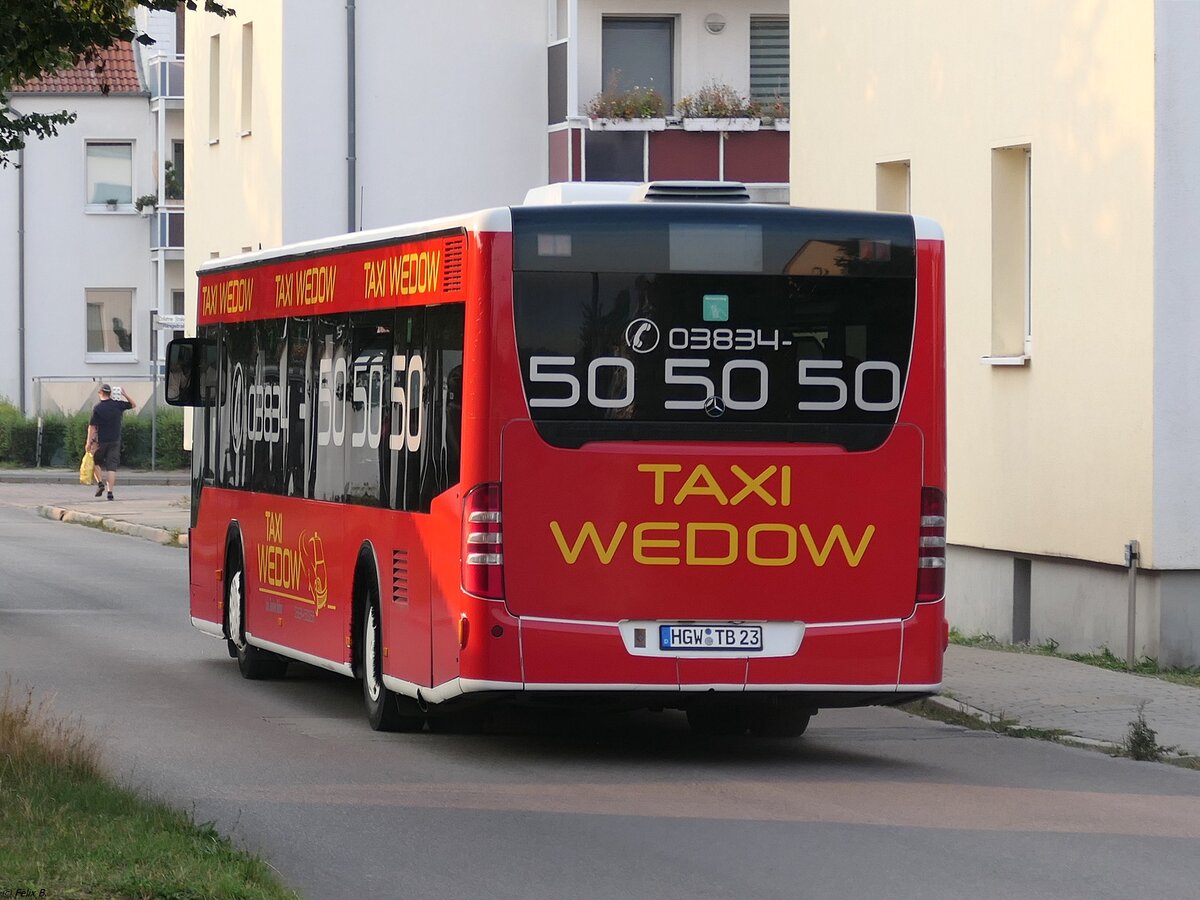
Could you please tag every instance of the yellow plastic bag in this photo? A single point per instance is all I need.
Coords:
(87, 469)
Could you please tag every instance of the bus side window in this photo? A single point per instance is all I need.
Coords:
(297, 400)
(191, 372)
(408, 419)
(237, 365)
(368, 424)
(332, 402)
(443, 399)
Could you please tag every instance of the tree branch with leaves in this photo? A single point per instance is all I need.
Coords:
(41, 37)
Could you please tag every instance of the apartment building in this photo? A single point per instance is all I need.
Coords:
(91, 250)
(313, 119)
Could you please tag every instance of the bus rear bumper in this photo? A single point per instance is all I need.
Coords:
(837, 665)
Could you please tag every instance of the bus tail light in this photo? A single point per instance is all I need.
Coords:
(483, 543)
(931, 558)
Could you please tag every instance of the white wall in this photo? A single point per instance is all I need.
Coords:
(10, 387)
(160, 25)
(233, 185)
(1081, 607)
(1176, 295)
(451, 116)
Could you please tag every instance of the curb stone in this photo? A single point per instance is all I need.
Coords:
(163, 536)
(958, 706)
(1071, 740)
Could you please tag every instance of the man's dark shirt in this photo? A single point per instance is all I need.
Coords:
(106, 416)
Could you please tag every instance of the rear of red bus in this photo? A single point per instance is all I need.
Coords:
(717, 457)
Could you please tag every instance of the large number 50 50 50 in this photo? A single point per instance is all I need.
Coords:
(539, 373)
(823, 384)
(408, 412)
(837, 384)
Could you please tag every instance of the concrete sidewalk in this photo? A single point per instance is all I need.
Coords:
(1044, 692)
(150, 505)
(1088, 702)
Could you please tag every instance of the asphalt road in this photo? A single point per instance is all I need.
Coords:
(868, 803)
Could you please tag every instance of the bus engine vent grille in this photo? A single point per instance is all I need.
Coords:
(697, 191)
(452, 265)
(399, 576)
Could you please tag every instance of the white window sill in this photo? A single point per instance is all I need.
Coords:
(246, 133)
(1022, 360)
(103, 209)
(110, 357)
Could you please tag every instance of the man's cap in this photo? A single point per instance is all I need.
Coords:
(105, 389)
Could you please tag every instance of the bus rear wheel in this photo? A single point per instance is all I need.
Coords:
(253, 663)
(386, 710)
(718, 719)
(779, 721)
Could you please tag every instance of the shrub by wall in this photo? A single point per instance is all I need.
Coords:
(64, 437)
(9, 416)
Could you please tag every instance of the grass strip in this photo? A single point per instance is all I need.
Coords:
(67, 831)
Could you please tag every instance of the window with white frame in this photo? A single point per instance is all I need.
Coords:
(769, 79)
(109, 173)
(638, 52)
(109, 324)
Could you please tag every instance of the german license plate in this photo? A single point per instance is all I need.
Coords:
(744, 638)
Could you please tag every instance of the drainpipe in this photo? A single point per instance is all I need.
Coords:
(21, 277)
(351, 122)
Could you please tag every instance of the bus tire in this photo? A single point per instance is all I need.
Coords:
(779, 721)
(253, 663)
(386, 711)
(718, 719)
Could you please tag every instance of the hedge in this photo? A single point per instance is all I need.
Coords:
(63, 438)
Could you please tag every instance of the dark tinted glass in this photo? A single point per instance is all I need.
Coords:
(363, 409)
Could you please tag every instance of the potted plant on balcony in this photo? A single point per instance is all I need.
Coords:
(718, 107)
(635, 109)
(146, 204)
(778, 113)
(174, 188)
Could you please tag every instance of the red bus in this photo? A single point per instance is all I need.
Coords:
(662, 453)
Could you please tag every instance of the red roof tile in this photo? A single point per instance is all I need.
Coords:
(119, 73)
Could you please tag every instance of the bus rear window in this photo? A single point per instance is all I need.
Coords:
(744, 327)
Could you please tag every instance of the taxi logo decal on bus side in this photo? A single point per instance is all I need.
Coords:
(310, 286)
(402, 274)
(231, 295)
(673, 543)
(285, 570)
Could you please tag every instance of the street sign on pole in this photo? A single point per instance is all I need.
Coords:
(168, 323)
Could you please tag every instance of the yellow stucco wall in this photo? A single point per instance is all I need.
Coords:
(1052, 457)
(237, 202)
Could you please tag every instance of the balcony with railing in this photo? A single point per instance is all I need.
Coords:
(166, 230)
(165, 77)
(583, 149)
(648, 118)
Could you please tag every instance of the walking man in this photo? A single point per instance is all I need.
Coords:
(104, 436)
